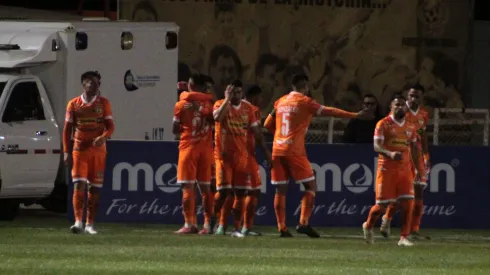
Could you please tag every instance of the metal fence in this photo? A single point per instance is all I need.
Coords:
(446, 127)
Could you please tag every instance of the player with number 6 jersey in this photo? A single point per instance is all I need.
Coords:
(192, 117)
(290, 118)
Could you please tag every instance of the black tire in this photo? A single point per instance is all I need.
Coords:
(8, 210)
(57, 200)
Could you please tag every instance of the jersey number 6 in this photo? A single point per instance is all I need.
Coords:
(285, 124)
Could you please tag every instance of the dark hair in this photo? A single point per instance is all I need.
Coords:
(298, 78)
(207, 79)
(418, 87)
(90, 74)
(267, 59)
(398, 96)
(198, 81)
(237, 83)
(253, 90)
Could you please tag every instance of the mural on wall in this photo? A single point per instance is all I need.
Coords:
(348, 48)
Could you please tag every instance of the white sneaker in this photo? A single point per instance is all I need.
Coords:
(368, 234)
(404, 242)
(385, 228)
(237, 234)
(89, 229)
(77, 228)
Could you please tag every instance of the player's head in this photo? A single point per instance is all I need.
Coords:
(236, 94)
(91, 82)
(254, 95)
(209, 82)
(197, 83)
(300, 84)
(398, 106)
(415, 95)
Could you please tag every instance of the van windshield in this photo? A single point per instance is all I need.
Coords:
(2, 85)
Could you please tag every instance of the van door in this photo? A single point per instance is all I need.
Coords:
(32, 143)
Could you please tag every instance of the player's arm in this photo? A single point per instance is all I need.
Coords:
(176, 119)
(108, 121)
(221, 109)
(270, 122)
(68, 129)
(425, 143)
(321, 110)
(378, 142)
(259, 138)
(415, 153)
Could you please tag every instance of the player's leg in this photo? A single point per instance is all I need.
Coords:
(79, 176)
(214, 194)
(302, 173)
(418, 209)
(405, 194)
(187, 177)
(385, 194)
(252, 199)
(279, 178)
(95, 178)
(224, 198)
(204, 182)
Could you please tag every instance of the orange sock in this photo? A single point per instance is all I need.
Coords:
(306, 207)
(407, 210)
(188, 205)
(390, 211)
(92, 206)
(78, 204)
(251, 203)
(238, 207)
(280, 209)
(207, 205)
(374, 214)
(226, 209)
(418, 211)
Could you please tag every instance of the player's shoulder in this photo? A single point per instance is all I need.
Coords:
(75, 100)
(424, 112)
(250, 106)
(385, 121)
(103, 100)
(179, 103)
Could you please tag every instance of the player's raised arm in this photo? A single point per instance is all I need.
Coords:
(270, 122)
(221, 108)
(379, 142)
(108, 120)
(321, 110)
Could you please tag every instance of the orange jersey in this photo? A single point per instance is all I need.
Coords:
(231, 134)
(195, 129)
(396, 137)
(90, 120)
(251, 135)
(420, 119)
(294, 112)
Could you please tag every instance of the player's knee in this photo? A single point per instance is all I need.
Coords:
(79, 185)
(310, 186)
(93, 190)
(254, 193)
(240, 192)
(205, 188)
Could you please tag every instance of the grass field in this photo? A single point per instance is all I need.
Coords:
(43, 245)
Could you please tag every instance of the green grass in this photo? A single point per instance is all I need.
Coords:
(44, 246)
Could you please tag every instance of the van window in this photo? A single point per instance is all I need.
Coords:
(2, 86)
(81, 41)
(24, 103)
(171, 40)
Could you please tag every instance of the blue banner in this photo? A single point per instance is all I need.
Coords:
(140, 186)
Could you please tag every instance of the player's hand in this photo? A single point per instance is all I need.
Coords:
(99, 141)
(67, 159)
(194, 105)
(268, 157)
(229, 90)
(396, 155)
(365, 114)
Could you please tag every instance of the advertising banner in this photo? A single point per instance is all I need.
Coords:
(140, 186)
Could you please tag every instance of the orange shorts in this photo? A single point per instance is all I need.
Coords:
(296, 167)
(195, 165)
(89, 166)
(232, 172)
(393, 184)
(255, 181)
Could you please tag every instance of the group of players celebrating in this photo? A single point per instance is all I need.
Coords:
(225, 170)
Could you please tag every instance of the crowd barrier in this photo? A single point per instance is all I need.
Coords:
(140, 186)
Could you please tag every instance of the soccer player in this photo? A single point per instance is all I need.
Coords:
(192, 116)
(89, 119)
(252, 97)
(419, 117)
(290, 118)
(233, 119)
(395, 141)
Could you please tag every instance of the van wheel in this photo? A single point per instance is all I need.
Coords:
(8, 210)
